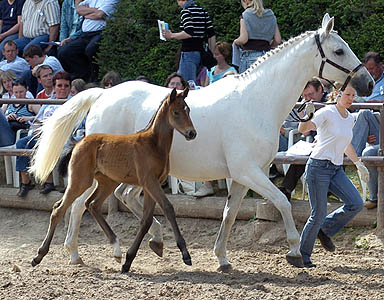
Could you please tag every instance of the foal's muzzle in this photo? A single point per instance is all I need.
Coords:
(190, 134)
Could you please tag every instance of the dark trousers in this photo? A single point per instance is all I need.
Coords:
(293, 175)
(77, 56)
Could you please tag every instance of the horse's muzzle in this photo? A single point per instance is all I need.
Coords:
(190, 134)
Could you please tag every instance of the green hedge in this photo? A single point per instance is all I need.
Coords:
(131, 43)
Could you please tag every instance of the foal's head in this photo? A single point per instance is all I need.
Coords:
(178, 114)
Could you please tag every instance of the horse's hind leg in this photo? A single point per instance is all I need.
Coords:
(77, 211)
(129, 196)
(157, 194)
(145, 224)
(105, 187)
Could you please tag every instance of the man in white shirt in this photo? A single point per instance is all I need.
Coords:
(12, 62)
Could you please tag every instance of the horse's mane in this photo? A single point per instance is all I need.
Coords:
(154, 116)
(272, 52)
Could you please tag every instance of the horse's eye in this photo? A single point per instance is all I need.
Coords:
(176, 113)
(339, 52)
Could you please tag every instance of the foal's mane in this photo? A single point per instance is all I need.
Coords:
(272, 52)
(150, 123)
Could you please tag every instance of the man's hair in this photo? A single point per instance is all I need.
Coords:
(40, 68)
(373, 55)
(173, 75)
(33, 50)
(61, 75)
(10, 43)
(316, 83)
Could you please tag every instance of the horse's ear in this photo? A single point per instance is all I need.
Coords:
(185, 92)
(173, 95)
(327, 24)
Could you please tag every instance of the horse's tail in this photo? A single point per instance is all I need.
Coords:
(57, 129)
(65, 157)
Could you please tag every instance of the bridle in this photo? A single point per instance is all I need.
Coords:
(325, 60)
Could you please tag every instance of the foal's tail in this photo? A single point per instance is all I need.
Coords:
(57, 129)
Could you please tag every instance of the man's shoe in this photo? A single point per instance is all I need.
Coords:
(285, 192)
(48, 187)
(309, 264)
(370, 204)
(326, 242)
(24, 189)
(204, 191)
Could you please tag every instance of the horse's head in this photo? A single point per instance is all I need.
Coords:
(336, 61)
(179, 114)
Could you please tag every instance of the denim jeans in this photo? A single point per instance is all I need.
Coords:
(247, 58)
(283, 143)
(28, 142)
(24, 42)
(366, 124)
(189, 65)
(7, 135)
(373, 177)
(321, 176)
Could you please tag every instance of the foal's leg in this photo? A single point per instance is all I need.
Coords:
(129, 196)
(105, 187)
(157, 194)
(72, 192)
(145, 224)
(232, 206)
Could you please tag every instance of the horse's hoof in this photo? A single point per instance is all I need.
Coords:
(124, 269)
(34, 262)
(225, 268)
(296, 261)
(187, 261)
(157, 247)
(118, 258)
(78, 261)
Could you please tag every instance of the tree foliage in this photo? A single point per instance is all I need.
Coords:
(131, 43)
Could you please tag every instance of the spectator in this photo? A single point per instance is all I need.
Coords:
(258, 32)
(193, 18)
(71, 21)
(77, 55)
(10, 19)
(6, 78)
(34, 56)
(77, 86)
(44, 74)
(13, 62)
(222, 54)
(175, 80)
(142, 78)
(62, 88)
(110, 79)
(374, 64)
(372, 150)
(324, 171)
(40, 21)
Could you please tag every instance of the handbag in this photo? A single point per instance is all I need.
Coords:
(16, 125)
(207, 58)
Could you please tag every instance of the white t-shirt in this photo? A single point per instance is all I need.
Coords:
(334, 133)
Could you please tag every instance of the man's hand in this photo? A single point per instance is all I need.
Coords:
(371, 139)
(167, 34)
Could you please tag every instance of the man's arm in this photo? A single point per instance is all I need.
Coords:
(212, 43)
(90, 12)
(53, 35)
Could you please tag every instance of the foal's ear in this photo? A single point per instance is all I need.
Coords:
(185, 92)
(173, 95)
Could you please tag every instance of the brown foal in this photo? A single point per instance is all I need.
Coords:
(140, 159)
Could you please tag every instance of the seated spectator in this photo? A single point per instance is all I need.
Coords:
(16, 116)
(71, 21)
(372, 150)
(175, 80)
(142, 78)
(6, 78)
(62, 88)
(10, 19)
(13, 62)
(77, 56)
(77, 86)
(223, 55)
(44, 74)
(34, 56)
(110, 79)
(40, 21)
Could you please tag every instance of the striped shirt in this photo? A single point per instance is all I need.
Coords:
(38, 16)
(196, 22)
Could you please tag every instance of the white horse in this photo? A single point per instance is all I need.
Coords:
(237, 119)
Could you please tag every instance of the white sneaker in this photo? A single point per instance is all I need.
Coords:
(204, 190)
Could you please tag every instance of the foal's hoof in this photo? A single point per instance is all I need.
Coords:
(34, 262)
(187, 261)
(157, 247)
(78, 261)
(124, 269)
(225, 268)
(118, 258)
(296, 261)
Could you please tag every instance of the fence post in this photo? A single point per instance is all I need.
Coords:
(380, 194)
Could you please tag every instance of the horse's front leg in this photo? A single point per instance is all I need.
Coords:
(251, 175)
(129, 196)
(77, 211)
(145, 224)
(232, 206)
(157, 194)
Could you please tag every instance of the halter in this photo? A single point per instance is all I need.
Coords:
(325, 60)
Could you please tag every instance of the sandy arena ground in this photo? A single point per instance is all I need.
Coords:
(354, 271)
